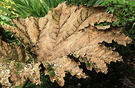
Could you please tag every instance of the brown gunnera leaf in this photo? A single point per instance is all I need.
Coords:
(71, 30)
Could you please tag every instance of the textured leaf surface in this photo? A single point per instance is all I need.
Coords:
(60, 67)
(18, 73)
(70, 30)
(12, 65)
(12, 52)
(26, 31)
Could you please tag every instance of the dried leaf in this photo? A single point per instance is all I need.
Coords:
(18, 73)
(71, 30)
(25, 30)
(60, 67)
(12, 52)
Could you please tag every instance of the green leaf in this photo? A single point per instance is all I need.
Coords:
(5, 10)
(5, 17)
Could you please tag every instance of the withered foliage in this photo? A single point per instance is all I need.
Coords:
(18, 73)
(64, 31)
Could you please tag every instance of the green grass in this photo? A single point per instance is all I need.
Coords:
(39, 8)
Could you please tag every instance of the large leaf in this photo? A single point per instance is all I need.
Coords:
(70, 30)
(73, 30)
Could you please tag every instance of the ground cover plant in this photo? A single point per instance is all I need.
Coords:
(53, 47)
